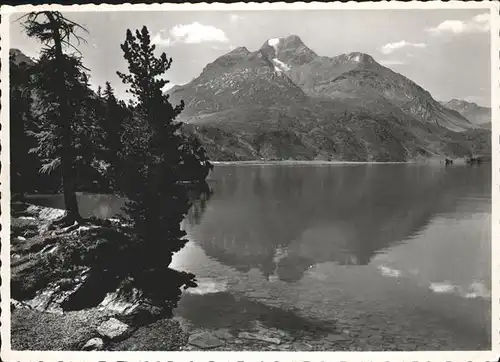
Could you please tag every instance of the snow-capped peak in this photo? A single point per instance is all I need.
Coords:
(273, 42)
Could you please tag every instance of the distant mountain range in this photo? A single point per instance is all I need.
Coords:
(478, 115)
(285, 102)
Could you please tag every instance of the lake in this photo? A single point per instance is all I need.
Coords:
(395, 256)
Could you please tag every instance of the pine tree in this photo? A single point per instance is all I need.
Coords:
(153, 154)
(195, 166)
(158, 200)
(60, 72)
(20, 116)
(112, 122)
(47, 132)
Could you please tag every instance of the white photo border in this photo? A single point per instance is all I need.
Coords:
(24, 356)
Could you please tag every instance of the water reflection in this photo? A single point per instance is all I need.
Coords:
(282, 219)
(111, 257)
(101, 206)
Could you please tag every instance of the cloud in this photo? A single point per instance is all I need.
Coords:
(389, 62)
(160, 40)
(222, 47)
(193, 33)
(478, 24)
(233, 18)
(392, 47)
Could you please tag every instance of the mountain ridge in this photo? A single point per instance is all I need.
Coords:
(245, 105)
(283, 101)
(345, 75)
(476, 114)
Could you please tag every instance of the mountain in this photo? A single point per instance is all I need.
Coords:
(475, 114)
(19, 57)
(238, 79)
(359, 75)
(283, 101)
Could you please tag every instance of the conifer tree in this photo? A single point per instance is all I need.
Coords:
(153, 151)
(60, 71)
(195, 165)
(158, 200)
(47, 132)
(112, 123)
(20, 116)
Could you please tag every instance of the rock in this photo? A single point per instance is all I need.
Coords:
(81, 229)
(31, 218)
(260, 329)
(56, 294)
(113, 329)
(223, 333)
(336, 338)
(69, 229)
(258, 295)
(258, 337)
(46, 213)
(122, 303)
(302, 346)
(365, 333)
(49, 249)
(408, 346)
(15, 304)
(94, 344)
(205, 340)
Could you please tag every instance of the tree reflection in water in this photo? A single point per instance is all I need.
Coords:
(114, 280)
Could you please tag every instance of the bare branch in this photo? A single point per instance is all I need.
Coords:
(21, 17)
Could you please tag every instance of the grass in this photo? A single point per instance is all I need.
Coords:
(37, 331)
(40, 331)
(163, 335)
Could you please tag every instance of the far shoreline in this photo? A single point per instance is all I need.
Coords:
(313, 162)
(298, 162)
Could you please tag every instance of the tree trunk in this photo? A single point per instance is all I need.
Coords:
(67, 159)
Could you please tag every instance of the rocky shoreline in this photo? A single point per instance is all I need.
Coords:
(51, 290)
(50, 309)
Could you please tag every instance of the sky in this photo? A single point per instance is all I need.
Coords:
(447, 52)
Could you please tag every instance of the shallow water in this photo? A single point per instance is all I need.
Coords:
(398, 256)
(402, 249)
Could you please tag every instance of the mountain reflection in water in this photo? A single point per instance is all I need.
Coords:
(285, 219)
